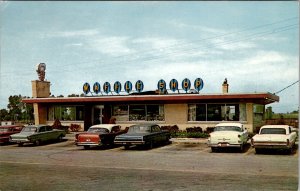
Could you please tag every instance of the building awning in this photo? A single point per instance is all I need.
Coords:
(258, 98)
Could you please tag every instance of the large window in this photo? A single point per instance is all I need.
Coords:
(137, 112)
(120, 112)
(217, 112)
(65, 113)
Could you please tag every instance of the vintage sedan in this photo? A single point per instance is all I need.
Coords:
(37, 134)
(228, 135)
(97, 135)
(6, 131)
(274, 137)
(143, 134)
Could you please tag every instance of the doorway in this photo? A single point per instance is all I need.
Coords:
(98, 114)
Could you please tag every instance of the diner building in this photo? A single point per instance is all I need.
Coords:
(188, 109)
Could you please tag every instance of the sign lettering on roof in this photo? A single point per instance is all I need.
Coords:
(139, 86)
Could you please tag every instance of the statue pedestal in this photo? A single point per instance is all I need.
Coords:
(40, 89)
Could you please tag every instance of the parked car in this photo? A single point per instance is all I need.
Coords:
(274, 137)
(97, 135)
(37, 134)
(228, 135)
(6, 131)
(143, 134)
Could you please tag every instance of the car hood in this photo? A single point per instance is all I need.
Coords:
(23, 134)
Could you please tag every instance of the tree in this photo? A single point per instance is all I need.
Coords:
(15, 107)
(3, 114)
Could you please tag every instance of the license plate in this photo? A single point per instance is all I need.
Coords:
(224, 144)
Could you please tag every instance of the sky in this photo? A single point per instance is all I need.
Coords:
(255, 45)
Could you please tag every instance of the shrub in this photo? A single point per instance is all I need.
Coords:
(75, 127)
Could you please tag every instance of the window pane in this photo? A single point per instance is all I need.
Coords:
(79, 113)
(68, 113)
(201, 112)
(120, 112)
(215, 112)
(192, 112)
(242, 109)
(155, 113)
(137, 112)
(231, 112)
(51, 114)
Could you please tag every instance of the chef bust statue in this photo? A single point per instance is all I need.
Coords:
(40, 69)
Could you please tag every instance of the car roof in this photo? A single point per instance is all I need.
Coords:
(275, 126)
(145, 124)
(105, 126)
(230, 124)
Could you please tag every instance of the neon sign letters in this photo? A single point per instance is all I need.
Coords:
(139, 86)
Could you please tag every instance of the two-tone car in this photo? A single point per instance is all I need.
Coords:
(6, 131)
(143, 134)
(37, 134)
(228, 135)
(97, 135)
(274, 137)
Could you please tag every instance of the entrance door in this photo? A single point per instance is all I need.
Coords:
(98, 114)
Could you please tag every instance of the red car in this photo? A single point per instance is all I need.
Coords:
(6, 131)
(97, 135)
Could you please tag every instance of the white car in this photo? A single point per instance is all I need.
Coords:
(274, 137)
(228, 135)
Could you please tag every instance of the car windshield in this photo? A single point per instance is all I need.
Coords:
(139, 129)
(29, 129)
(273, 131)
(98, 130)
(2, 129)
(228, 128)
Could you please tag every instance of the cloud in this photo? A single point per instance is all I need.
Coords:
(111, 45)
(75, 33)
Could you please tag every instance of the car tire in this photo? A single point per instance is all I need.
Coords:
(37, 142)
(257, 151)
(214, 149)
(60, 138)
(242, 148)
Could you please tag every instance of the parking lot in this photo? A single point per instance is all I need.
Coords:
(182, 165)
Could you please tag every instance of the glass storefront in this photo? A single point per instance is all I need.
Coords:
(138, 112)
(217, 112)
(65, 113)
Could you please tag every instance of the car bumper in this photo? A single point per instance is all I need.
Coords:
(129, 142)
(20, 141)
(271, 146)
(221, 145)
(88, 144)
(4, 139)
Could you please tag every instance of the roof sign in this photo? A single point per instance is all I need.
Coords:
(139, 86)
(161, 86)
(173, 85)
(117, 87)
(186, 84)
(86, 88)
(106, 87)
(128, 86)
(96, 87)
(198, 84)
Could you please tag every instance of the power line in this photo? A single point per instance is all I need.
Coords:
(287, 87)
